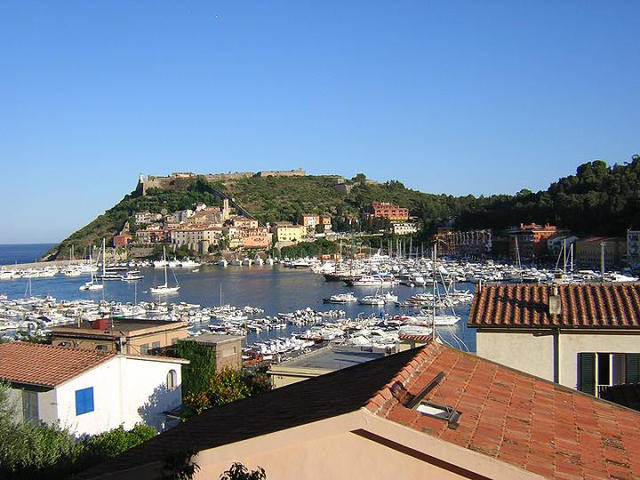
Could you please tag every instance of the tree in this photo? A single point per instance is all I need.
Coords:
(238, 471)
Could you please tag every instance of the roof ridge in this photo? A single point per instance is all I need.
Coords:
(99, 353)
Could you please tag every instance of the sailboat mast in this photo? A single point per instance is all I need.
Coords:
(104, 258)
(164, 253)
(435, 286)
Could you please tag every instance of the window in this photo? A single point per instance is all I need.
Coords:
(172, 380)
(84, 401)
(443, 412)
(29, 405)
(155, 345)
(605, 369)
(102, 348)
(144, 348)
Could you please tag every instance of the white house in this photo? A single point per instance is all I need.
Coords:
(90, 391)
(404, 228)
(583, 336)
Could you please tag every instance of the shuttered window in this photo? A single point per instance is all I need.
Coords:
(632, 368)
(29, 405)
(586, 373)
(84, 401)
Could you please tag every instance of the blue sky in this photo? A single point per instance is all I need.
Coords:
(453, 96)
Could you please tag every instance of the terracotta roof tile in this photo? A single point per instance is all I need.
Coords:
(608, 305)
(523, 420)
(45, 365)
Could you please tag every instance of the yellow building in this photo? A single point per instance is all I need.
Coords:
(288, 232)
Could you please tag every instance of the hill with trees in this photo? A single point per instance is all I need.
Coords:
(597, 199)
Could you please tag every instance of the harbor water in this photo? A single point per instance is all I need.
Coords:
(275, 289)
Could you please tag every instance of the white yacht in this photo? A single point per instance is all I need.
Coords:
(132, 276)
(165, 288)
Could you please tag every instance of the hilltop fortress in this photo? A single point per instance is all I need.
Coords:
(179, 177)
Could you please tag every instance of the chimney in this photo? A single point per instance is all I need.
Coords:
(554, 302)
(101, 324)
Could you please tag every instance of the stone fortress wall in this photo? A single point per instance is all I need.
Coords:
(165, 182)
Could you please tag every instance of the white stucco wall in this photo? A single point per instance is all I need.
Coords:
(123, 389)
(573, 343)
(534, 354)
(519, 350)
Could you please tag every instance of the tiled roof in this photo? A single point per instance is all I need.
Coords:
(45, 365)
(520, 419)
(508, 415)
(592, 305)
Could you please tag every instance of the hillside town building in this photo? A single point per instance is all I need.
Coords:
(589, 251)
(404, 228)
(288, 232)
(312, 220)
(258, 237)
(530, 241)
(633, 247)
(387, 210)
(472, 242)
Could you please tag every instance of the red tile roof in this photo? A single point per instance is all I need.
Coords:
(45, 365)
(520, 419)
(514, 417)
(596, 305)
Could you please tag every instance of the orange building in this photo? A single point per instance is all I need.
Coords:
(121, 240)
(256, 237)
(389, 211)
(531, 240)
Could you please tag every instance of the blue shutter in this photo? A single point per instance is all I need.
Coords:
(84, 401)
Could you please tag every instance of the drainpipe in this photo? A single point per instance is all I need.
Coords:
(555, 309)
(556, 355)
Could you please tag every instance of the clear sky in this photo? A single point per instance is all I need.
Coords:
(454, 96)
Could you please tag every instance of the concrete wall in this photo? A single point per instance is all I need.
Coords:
(331, 449)
(229, 355)
(520, 350)
(281, 376)
(324, 458)
(535, 354)
(571, 344)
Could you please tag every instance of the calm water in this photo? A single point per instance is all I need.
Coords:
(10, 254)
(275, 289)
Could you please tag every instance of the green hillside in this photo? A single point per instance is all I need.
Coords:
(598, 199)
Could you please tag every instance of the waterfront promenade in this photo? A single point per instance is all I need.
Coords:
(52, 263)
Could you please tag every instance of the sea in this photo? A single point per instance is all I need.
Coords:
(23, 253)
(275, 289)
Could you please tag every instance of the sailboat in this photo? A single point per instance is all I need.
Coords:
(165, 288)
(92, 284)
(105, 274)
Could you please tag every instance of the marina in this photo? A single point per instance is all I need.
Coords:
(280, 308)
